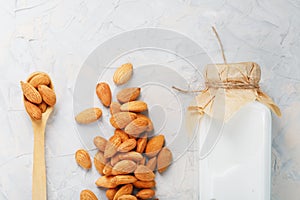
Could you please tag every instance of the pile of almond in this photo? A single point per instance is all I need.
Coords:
(128, 160)
(38, 94)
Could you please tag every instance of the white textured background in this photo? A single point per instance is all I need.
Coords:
(57, 36)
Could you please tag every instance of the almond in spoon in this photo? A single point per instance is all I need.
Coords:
(43, 106)
(31, 93)
(33, 110)
(47, 94)
(40, 79)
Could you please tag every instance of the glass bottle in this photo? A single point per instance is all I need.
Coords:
(234, 134)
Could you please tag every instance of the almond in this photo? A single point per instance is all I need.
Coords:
(123, 179)
(114, 108)
(114, 160)
(31, 93)
(98, 162)
(136, 127)
(141, 143)
(122, 134)
(47, 94)
(145, 194)
(106, 182)
(164, 159)
(123, 74)
(151, 164)
(128, 145)
(33, 75)
(40, 79)
(111, 146)
(43, 106)
(110, 193)
(150, 124)
(143, 161)
(107, 170)
(87, 195)
(144, 184)
(134, 106)
(100, 143)
(127, 197)
(88, 116)
(100, 157)
(124, 190)
(135, 156)
(124, 167)
(143, 173)
(104, 93)
(33, 111)
(128, 94)
(154, 145)
(122, 119)
(83, 159)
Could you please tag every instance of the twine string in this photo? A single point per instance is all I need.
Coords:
(220, 43)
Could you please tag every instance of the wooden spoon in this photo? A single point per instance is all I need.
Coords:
(39, 184)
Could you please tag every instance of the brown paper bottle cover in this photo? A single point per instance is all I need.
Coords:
(232, 86)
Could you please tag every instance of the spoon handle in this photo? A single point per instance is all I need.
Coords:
(39, 187)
